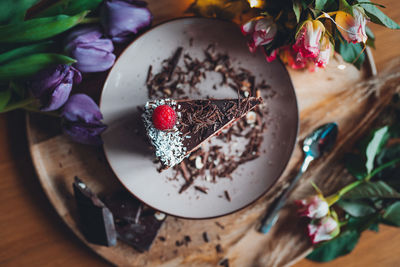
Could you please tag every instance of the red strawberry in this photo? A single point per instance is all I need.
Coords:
(164, 117)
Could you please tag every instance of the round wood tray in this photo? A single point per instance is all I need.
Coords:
(57, 160)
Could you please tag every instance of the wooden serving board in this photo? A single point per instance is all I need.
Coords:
(327, 95)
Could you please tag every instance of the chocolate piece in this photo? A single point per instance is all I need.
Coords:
(96, 220)
(134, 222)
(218, 248)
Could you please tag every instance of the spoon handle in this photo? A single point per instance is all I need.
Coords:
(273, 213)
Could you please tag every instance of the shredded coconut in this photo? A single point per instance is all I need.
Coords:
(168, 145)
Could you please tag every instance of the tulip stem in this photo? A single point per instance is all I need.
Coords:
(381, 168)
(332, 199)
(20, 104)
(90, 20)
(49, 113)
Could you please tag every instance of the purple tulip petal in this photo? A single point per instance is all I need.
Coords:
(86, 34)
(93, 53)
(81, 107)
(77, 76)
(47, 79)
(58, 97)
(88, 134)
(121, 19)
(93, 60)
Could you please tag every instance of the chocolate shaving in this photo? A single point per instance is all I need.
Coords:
(228, 197)
(224, 263)
(205, 237)
(174, 61)
(220, 225)
(218, 248)
(201, 189)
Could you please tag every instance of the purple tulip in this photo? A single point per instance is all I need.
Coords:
(82, 120)
(123, 18)
(93, 53)
(52, 86)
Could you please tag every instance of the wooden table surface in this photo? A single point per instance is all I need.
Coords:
(32, 234)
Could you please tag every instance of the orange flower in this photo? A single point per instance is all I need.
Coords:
(351, 27)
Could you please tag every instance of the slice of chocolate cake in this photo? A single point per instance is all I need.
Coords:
(178, 127)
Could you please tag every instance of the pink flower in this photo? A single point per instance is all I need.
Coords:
(313, 207)
(308, 38)
(272, 56)
(292, 58)
(351, 27)
(324, 229)
(325, 53)
(262, 31)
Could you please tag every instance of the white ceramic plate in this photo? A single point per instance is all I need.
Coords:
(131, 159)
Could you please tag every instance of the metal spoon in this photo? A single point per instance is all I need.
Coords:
(314, 145)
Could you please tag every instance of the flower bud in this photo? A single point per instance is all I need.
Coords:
(308, 38)
(123, 18)
(262, 31)
(351, 27)
(52, 86)
(82, 120)
(93, 53)
(313, 207)
(324, 229)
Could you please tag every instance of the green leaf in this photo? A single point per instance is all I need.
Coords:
(297, 10)
(25, 51)
(352, 53)
(5, 97)
(392, 214)
(356, 208)
(68, 7)
(375, 145)
(18, 88)
(339, 246)
(38, 29)
(319, 4)
(372, 189)
(30, 65)
(12, 11)
(355, 165)
(371, 37)
(378, 17)
(374, 227)
(344, 6)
